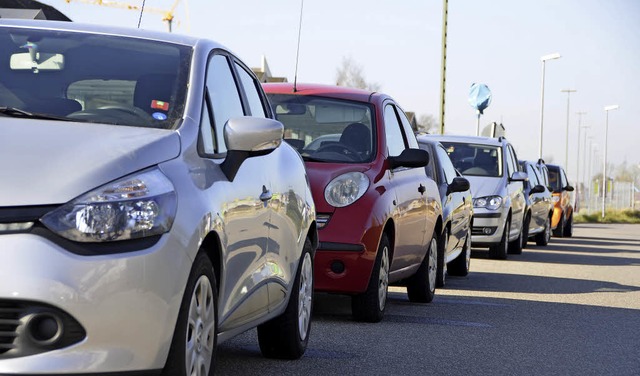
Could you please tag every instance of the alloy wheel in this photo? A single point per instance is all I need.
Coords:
(304, 296)
(200, 336)
(383, 278)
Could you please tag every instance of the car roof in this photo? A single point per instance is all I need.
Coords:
(469, 139)
(102, 29)
(330, 91)
(425, 139)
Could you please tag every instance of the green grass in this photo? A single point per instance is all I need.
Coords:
(610, 216)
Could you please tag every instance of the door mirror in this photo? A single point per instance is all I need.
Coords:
(249, 137)
(568, 188)
(459, 184)
(537, 189)
(410, 158)
(519, 176)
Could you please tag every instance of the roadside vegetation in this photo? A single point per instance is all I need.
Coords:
(610, 216)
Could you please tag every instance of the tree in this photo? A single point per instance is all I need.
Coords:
(428, 123)
(350, 74)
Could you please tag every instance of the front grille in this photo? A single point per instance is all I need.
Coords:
(9, 322)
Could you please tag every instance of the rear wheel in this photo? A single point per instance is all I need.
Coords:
(559, 231)
(286, 336)
(525, 230)
(421, 287)
(515, 247)
(568, 227)
(460, 266)
(369, 306)
(194, 340)
(543, 238)
(499, 251)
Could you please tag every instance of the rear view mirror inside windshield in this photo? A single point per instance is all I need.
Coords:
(37, 61)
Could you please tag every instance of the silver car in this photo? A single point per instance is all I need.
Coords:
(148, 206)
(491, 166)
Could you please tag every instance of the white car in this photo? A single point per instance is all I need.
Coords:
(148, 206)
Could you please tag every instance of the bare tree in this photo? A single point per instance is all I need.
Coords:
(428, 123)
(350, 74)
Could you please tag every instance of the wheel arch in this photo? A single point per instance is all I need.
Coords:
(212, 247)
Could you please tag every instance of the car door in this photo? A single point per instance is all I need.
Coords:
(457, 201)
(516, 192)
(245, 217)
(539, 205)
(409, 186)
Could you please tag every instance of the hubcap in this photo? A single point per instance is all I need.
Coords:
(383, 278)
(305, 295)
(200, 329)
(432, 267)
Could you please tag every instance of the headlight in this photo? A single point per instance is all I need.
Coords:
(346, 189)
(489, 202)
(555, 198)
(137, 206)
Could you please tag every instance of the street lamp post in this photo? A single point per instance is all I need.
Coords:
(566, 138)
(604, 165)
(544, 59)
(585, 140)
(578, 186)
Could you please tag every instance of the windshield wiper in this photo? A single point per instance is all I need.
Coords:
(19, 113)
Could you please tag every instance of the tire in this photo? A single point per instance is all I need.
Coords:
(499, 251)
(441, 266)
(542, 239)
(515, 247)
(421, 286)
(369, 306)
(460, 266)
(286, 336)
(192, 350)
(568, 228)
(559, 231)
(525, 230)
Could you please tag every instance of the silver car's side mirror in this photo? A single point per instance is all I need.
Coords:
(248, 137)
(519, 176)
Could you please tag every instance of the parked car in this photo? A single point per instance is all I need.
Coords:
(379, 215)
(497, 186)
(562, 221)
(454, 251)
(150, 210)
(539, 205)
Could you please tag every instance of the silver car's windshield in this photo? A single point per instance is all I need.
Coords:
(74, 76)
(475, 160)
(325, 129)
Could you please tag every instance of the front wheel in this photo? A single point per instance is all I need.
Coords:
(559, 231)
(369, 306)
(525, 230)
(194, 339)
(499, 251)
(568, 227)
(460, 266)
(421, 287)
(542, 239)
(286, 336)
(441, 269)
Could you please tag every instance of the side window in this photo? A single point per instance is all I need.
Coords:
(224, 97)
(256, 106)
(511, 164)
(565, 181)
(395, 141)
(430, 167)
(544, 176)
(446, 165)
(411, 137)
(533, 177)
(206, 131)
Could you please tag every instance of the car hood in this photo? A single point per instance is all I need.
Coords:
(52, 162)
(482, 186)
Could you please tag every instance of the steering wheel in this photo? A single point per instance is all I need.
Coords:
(128, 109)
(340, 148)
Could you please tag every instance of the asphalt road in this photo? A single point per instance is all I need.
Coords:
(571, 308)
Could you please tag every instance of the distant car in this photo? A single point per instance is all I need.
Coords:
(150, 209)
(379, 215)
(539, 205)
(454, 251)
(562, 221)
(497, 186)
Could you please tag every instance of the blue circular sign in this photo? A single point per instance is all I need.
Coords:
(479, 97)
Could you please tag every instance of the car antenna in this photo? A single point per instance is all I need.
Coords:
(141, 11)
(295, 74)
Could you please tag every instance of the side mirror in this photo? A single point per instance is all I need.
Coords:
(248, 137)
(459, 184)
(519, 176)
(568, 188)
(410, 158)
(537, 189)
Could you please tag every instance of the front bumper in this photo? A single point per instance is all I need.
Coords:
(488, 227)
(126, 305)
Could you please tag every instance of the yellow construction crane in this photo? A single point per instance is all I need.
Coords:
(167, 14)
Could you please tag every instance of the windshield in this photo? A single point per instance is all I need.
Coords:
(326, 130)
(475, 160)
(554, 180)
(92, 78)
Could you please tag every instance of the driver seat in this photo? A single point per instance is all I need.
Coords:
(358, 137)
(153, 92)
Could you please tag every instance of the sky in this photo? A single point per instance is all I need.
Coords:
(397, 43)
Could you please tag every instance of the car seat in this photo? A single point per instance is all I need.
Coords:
(358, 137)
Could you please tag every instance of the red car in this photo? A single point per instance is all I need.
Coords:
(378, 213)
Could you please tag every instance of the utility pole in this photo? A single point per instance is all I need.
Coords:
(566, 139)
(443, 69)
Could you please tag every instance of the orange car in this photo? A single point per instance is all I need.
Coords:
(562, 220)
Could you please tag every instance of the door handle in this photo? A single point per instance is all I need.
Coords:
(266, 194)
(422, 189)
